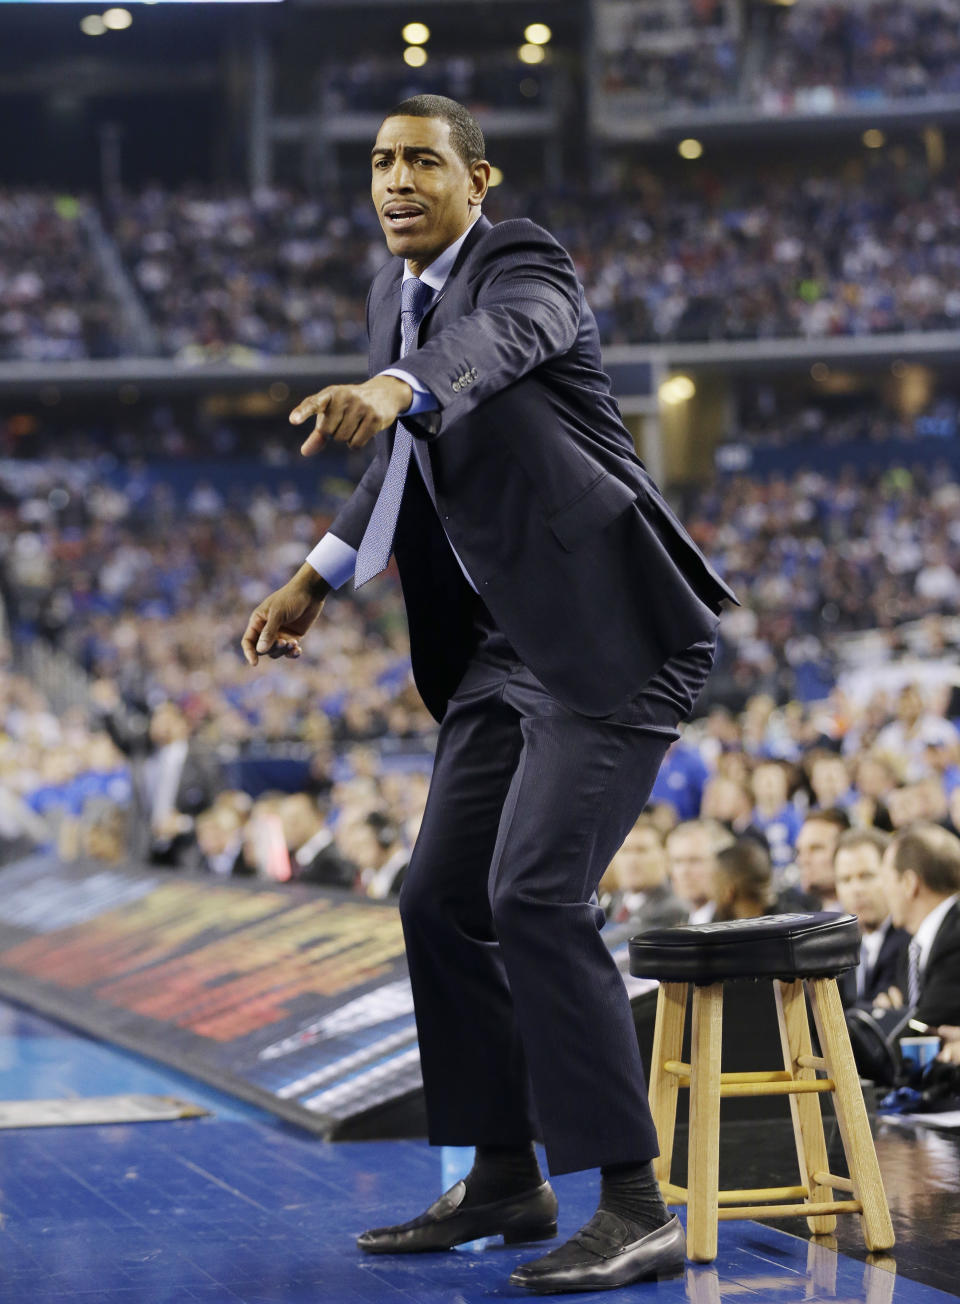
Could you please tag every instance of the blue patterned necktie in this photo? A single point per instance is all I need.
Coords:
(376, 545)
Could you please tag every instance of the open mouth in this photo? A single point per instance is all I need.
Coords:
(403, 217)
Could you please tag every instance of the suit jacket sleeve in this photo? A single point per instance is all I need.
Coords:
(527, 311)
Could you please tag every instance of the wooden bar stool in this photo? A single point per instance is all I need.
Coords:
(793, 952)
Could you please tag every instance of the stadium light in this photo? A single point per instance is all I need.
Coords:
(690, 148)
(92, 25)
(678, 389)
(496, 176)
(117, 20)
(416, 33)
(873, 138)
(415, 56)
(537, 33)
(531, 53)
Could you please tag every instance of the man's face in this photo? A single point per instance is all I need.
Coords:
(829, 780)
(859, 890)
(641, 861)
(424, 193)
(892, 885)
(692, 863)
(815, 845)
(770, 786)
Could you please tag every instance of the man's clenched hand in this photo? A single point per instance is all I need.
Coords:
(352, 414)
(281, 620)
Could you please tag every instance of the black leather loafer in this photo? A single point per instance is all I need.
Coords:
(601, 1256)
(531, 1216)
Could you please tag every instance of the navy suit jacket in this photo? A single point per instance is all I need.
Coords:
(886, 973)
(940, 989)
(579, 559)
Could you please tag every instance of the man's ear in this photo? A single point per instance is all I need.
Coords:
(479, 181)
(911, 884)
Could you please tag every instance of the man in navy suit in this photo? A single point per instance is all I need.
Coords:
(856, 862)
(920, 873)
(562, 624)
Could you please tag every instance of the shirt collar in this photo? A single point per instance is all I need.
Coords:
(436, 274)
(927, 932)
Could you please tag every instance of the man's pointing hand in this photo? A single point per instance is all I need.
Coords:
(352, 414)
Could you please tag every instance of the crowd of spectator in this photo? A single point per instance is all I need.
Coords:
(267, 273)
(53, 304)
(861, 250)
(808, 57)
(900, 881)
(875, 49)
(768, 418)
(738, 256)
(818, 558)
(697, 75)
(710, 257)
(317, 769)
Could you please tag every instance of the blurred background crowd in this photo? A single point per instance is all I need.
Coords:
(761, 200)
(861, 247)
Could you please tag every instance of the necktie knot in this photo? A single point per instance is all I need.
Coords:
(415, 295)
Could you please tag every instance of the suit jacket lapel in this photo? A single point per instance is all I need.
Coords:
(944, 932)
(385, 323)
(479, 228)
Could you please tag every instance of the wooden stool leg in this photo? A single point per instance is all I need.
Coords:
(703, 1166)
(804, 1109)
(667, 1045)
(851, 1114)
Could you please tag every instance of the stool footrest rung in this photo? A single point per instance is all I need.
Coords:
(772, 1082)
(832, 1180)
(812, 1062)
(811, 1210)
(681, 1070)
(678, 1194)
(779, 1088)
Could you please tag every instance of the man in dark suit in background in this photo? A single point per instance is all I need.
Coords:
(920, 874)
(643, 896)
(562, 623)
(856, 864)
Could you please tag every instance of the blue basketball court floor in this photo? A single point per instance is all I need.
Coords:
(236, 1206)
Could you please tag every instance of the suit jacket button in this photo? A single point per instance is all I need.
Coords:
(456, 387)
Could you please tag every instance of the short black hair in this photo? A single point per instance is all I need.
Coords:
(465, 134)
(834, 815)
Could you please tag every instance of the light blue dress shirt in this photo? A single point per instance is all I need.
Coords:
(332, 558)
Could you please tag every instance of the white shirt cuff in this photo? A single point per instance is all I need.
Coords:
(423, 398)
(334, 560)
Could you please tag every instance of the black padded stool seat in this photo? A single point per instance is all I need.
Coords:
(800, 956)
(788, 947)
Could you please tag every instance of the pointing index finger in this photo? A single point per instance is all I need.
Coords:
(316, 403)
